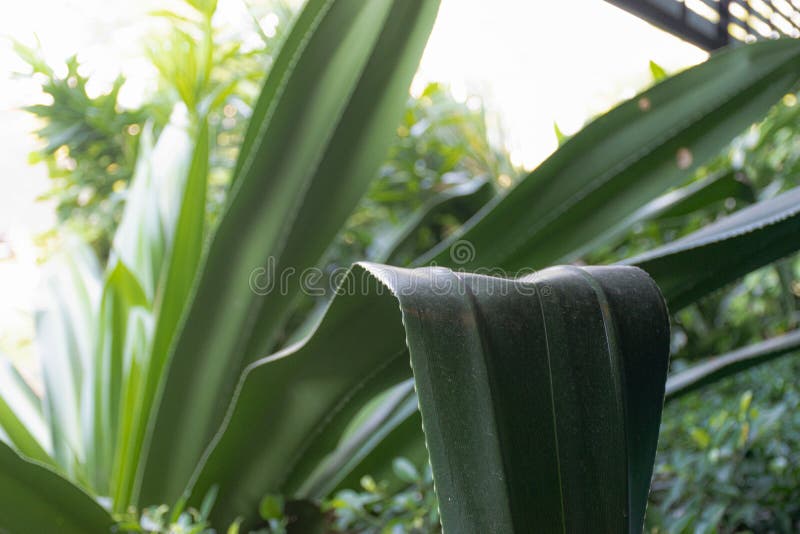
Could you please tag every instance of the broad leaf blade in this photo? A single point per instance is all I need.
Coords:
(34, 499)
(332, 100)
(478, 346)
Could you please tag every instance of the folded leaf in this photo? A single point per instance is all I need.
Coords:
(558, 378)
(685, 270)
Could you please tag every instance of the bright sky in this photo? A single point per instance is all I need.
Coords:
(533, 62)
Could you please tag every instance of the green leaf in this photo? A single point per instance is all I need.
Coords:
(65, 343)
(685, 270)
(714, 369)
(271, 507)
(721, 252)
(693, 197)
(136, 361)
(107, 375)
(561, 137)
(318, 134)
(405, 470)
(508, 394)
(390, 429)
(585, 192)
(182, 261)
(21, 417)
(33, 499)
(698, 195)
(466, 198)
(147, 228)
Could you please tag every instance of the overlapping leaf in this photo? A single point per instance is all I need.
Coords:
(33, 499)
(719, 253)
(585, 193)
(318, 132)
(502, 351)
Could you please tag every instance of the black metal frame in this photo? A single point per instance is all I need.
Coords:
(734, 21)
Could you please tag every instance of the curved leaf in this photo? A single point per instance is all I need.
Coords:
(508, 394)
(685, 270)
(21, 417)
(34, 499)
(466, 199)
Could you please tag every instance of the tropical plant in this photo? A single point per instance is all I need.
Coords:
(157, 387)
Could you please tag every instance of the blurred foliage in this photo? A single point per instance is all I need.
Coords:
(215, 71)
(411, 509)
(440, 143)
(88, 145)
(728, 461)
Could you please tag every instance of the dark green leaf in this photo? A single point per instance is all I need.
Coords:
(318, 133)
(719, 253)
(509, 393)
(585, 192)
(34, 500)
(719, 367)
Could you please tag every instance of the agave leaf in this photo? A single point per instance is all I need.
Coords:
(508, 394)
(721, 252)
(318, 134)
(700, 194)
(735, 245)
(583, 195)
(33, 499)
(714, 369)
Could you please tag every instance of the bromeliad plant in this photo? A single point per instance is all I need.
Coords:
(159, 385)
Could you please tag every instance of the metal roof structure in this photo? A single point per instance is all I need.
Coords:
(712, 24)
